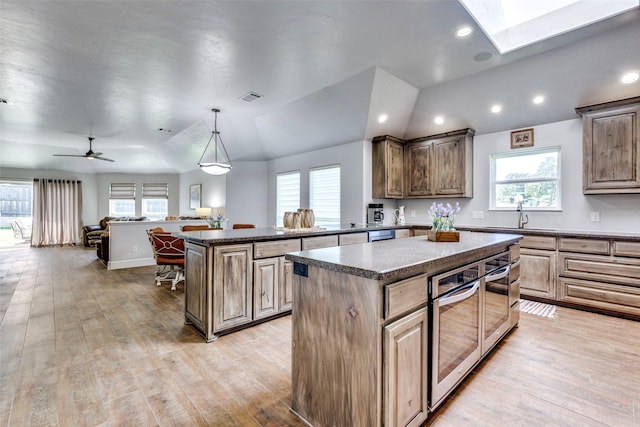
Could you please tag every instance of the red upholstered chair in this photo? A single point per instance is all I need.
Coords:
(194, 227)
(237, 226)
(169, 254)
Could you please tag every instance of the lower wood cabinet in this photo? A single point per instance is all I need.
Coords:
(196, 286)
(353, 238)
(405, 370)
(538, 273)
(266, 274)
(285, 284)
(232, 286)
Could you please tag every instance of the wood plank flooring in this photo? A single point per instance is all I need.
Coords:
(83, 346)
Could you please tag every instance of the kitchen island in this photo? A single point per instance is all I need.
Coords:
(363, 348)
(237, 278)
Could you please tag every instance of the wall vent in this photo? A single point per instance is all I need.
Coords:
(251, 96)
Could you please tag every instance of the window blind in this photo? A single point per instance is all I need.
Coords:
(287, 194)
(122, 191)
(155, 191)
(324, 194)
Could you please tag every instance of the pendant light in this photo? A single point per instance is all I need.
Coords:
(217, 167)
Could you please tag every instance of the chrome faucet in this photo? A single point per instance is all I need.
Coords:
(522, 218)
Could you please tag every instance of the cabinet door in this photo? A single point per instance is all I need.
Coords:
(232, 286)
(265, 287)
(405, 370)
(195, 287)
(286, 284)
(612, 151)
(449, 172)
(538, 273)
(418, 169)
(388, 169)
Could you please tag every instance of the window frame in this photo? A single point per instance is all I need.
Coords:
(279, 213)
(122, 192)
(521, 153)
(155, 191)
(319, 220)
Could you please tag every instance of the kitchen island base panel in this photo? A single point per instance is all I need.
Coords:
(337, 341)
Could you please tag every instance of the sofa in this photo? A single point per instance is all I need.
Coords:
(91, 234)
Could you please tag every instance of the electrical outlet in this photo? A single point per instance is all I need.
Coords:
(413, 214)
(595, 216)
(474, 214)
(480, 214)
(134, 248)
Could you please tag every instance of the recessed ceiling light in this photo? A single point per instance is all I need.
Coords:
(630, 77)
(538, 99)
(464, 31)
(496, 108)
(482, 56)
(382, 118)
(439, 120)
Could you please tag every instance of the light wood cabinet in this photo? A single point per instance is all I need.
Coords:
(266, 273)
(353, 238)
(611, 147)
(440, 165)
(537, 273)
(405, 370)
(387, 167)
(285, 284)
(309, 243)
(232, 286)
(403, 233)
(196, 286)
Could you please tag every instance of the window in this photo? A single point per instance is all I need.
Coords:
(155, 201)
(324, 195)
(287, 194)
(122, 199)
(531, 176)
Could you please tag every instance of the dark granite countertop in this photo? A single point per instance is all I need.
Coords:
(244, 235)
(391, 259)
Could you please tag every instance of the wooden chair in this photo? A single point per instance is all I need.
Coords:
(236, 226)
(196, 227)
(168, 252)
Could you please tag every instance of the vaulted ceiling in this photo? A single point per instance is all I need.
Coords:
(121, 70)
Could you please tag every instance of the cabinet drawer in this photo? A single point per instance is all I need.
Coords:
(419, 232)
(514, 272)
(514, 292)
(630, 249)
(402, 233)
(353, 238)
(584, 246)
(624, 271)
(538, 242)
(607, 296)
(275, 248)
(403, 296)
(309, 243)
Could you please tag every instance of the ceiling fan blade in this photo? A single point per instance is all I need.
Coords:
(69, 155)
(96, 154)
(104, 158)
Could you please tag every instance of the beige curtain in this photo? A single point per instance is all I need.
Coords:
(57, 209)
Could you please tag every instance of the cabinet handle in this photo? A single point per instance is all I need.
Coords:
(499, 274)
(472, 289)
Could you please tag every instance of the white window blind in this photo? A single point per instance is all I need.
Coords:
(155, 191)
(122, 191)
(287, 194)
(324, 195)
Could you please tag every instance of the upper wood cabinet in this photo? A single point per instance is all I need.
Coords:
(434, 166)
(611, 147)
(387, 168)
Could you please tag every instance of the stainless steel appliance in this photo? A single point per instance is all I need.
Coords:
(375, 216)
(376, 235)
(460, 319)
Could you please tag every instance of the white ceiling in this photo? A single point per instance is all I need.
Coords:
(119, 70)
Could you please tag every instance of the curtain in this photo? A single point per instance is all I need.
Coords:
(57, 209)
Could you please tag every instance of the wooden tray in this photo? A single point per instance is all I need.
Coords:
(443, 236)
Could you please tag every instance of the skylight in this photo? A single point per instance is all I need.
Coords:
(512, 24)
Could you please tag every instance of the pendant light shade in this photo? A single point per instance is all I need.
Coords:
(220, 164)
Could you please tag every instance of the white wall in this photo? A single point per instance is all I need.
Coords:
(105, 179)
(618, 213)
(247, 198)
(351, 158)
(89, 193)
(213, 195)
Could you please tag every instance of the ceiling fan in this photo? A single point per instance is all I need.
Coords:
(88, 155)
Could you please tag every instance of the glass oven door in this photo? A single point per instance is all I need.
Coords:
(496, 308)
(456, 338)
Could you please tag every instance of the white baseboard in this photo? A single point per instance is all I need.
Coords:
(130, 263)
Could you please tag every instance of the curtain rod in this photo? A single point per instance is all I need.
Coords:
(56, 179)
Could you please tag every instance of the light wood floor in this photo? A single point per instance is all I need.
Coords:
(80, 345)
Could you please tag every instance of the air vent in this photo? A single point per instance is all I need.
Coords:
(6, 101)
(251, 96)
